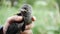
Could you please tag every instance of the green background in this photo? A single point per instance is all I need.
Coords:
(45, 11)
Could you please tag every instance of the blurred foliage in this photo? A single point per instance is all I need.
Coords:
(45, 11)
(58, 2)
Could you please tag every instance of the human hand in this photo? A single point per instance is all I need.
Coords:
(19, 18)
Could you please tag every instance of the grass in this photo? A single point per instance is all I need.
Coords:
(45, 19)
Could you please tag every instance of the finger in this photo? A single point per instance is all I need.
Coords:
(33, 18)
(14, 18)
(10, 20)
(27, 32)
(5, 27)
(30, 26)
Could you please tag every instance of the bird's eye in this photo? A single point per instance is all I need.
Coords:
(25, 8)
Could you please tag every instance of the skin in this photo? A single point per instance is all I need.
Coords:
(19, 18)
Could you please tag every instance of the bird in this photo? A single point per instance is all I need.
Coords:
(26, 13)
